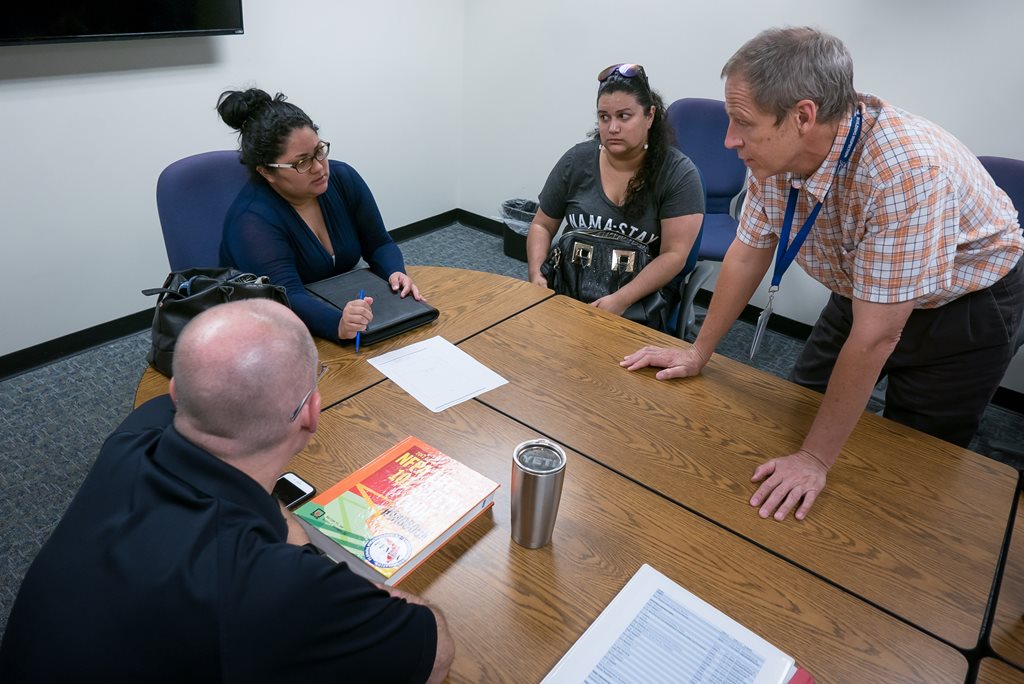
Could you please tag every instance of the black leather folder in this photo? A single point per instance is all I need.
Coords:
(392, 314)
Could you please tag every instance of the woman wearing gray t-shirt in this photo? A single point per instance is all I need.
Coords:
(628, 178)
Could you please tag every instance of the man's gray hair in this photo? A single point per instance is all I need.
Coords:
(782, 66)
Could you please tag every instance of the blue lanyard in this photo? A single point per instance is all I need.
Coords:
(787, 251)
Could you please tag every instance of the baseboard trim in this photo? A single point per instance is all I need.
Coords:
(31, 358)
(487, 225)
(428, 225)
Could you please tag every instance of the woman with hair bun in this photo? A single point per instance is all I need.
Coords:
(302, 217)
(628, 178)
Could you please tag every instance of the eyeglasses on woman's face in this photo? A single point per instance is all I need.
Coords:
(306, 163)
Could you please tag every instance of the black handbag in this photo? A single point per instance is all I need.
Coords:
(188, 293)
(590, 264)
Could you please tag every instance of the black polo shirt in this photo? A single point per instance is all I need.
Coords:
(171, 565)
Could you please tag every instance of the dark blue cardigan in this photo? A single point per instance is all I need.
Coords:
(264, 235)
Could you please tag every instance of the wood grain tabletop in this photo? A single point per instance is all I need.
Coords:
(1007, 636)
(514, 612)
(908, 522)
(995, 671)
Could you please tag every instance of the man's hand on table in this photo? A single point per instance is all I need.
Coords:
(677, 363)
(786, 482)
(789, 482)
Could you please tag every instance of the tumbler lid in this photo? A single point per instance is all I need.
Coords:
(539, 456)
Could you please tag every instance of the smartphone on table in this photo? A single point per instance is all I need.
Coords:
(292, 490)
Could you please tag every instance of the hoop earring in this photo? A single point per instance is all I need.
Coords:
(600, 146)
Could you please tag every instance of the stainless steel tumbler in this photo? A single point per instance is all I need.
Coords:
(538, 468)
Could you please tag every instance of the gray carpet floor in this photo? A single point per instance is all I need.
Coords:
(54, 419)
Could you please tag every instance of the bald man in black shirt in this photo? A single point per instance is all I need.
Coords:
(175, 563)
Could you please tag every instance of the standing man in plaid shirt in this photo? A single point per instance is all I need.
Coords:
(921, 250)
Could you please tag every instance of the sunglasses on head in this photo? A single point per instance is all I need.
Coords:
(625, 70)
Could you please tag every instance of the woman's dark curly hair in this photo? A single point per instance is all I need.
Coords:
(263, 124)
(659, 139)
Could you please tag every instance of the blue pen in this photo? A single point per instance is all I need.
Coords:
(362, 293)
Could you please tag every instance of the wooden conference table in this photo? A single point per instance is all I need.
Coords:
(909, 523)
(514, 612)
(1007, 637)
(992, 671)
(901, 547)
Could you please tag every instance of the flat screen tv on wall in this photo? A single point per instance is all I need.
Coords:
(61, 21)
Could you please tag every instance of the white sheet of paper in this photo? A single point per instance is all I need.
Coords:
(437, 373)
(655, 631)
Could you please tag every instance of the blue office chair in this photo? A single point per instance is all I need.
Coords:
(192, 198)
(1009, 175)
(700, 125)
(680, 317)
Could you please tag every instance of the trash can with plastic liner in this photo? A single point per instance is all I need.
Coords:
(517, 214)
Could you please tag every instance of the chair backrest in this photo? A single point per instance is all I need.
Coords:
(700, 125)
(1008, 175)
(192, 198)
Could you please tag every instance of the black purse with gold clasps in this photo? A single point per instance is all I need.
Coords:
(590, 264)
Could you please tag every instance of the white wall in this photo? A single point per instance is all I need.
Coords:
(87, 128)
(441, 104)
(531, 71)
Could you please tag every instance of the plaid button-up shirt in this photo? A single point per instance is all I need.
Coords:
(913, 216)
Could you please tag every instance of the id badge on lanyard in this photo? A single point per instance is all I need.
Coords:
(787, 251)
(762, 321)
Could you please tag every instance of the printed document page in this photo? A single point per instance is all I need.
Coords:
(655, 631)
(437, 373)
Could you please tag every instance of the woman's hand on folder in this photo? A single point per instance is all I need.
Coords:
(403, 285)
(356, 315)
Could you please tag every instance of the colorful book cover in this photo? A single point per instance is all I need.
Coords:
(397, 510)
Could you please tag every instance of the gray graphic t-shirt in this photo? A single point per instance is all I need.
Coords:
(573, 191)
